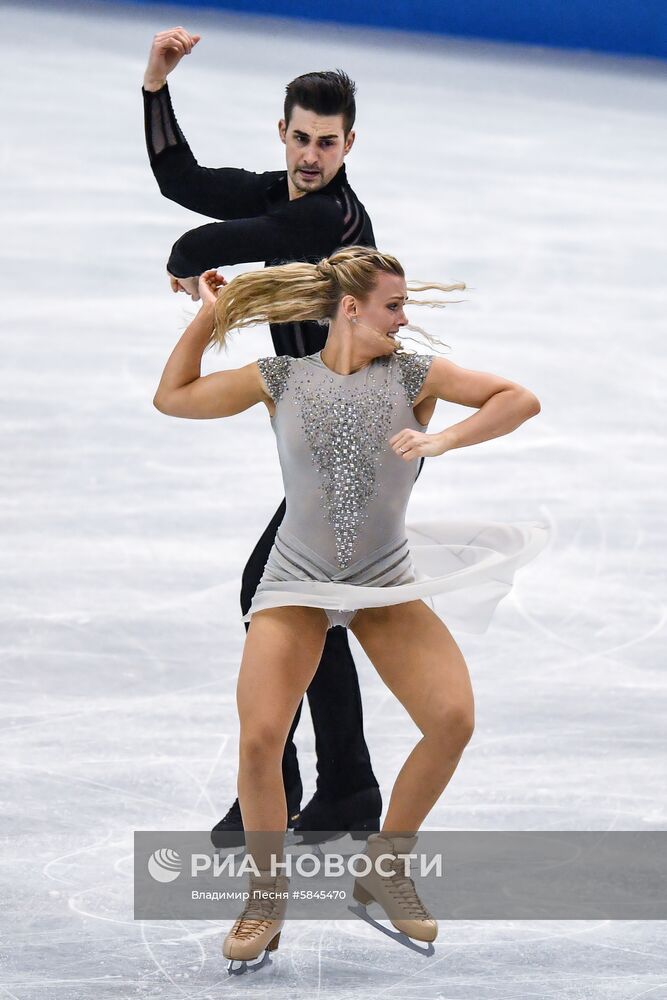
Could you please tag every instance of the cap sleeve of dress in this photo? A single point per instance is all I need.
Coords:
(412, 371)
(275, 372)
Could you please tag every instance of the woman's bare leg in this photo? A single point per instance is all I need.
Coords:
(415, 655)
(282, 650)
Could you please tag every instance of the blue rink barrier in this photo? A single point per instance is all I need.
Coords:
(637, 27)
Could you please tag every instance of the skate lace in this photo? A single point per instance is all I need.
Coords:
(402, 888)
(255, 915)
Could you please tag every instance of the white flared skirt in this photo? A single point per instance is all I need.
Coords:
(468, 565)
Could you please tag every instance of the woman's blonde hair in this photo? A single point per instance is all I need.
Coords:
(300, 291)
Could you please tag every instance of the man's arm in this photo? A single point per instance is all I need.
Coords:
(306, 227)
(224, 193)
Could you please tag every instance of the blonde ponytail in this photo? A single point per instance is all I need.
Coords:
(301, 291)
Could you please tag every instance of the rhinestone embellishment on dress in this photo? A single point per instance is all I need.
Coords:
(275, 372)
(412, 370)
(347, 432)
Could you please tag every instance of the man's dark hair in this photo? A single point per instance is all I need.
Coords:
(329, 93)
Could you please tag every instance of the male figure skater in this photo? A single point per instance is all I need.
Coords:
(302, 213)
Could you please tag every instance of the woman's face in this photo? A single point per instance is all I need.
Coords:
(377, 319)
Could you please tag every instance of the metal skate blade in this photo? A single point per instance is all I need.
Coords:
(399, 937)
(239, 966)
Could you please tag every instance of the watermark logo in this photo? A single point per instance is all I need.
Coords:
(491, 875)
(165, 865)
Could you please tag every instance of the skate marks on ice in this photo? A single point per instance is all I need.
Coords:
(615, 597)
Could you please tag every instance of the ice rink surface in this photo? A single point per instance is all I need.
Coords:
(539, 179)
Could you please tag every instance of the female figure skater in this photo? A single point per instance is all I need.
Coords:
(350, 423)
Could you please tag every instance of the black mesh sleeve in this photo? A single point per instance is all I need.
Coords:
(219, 192)
(301, 229)
(162, 129)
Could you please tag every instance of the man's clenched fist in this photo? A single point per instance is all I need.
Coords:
(167, 50)
(189, 285)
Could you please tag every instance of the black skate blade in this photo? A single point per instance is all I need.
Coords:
(244, 966)
(426, 950)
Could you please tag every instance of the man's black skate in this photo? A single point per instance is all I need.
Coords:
(324, 817)
(229, 831)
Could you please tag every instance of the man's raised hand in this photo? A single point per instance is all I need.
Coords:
(167, 50)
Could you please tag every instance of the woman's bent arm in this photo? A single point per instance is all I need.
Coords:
(501, 405)
(502, 413)
(184, 392)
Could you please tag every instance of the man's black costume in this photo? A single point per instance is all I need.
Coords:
(263, 224)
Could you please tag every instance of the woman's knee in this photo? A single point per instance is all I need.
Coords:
(453, 725)
(261, 744)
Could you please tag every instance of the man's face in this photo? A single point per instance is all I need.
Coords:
(315, 147)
